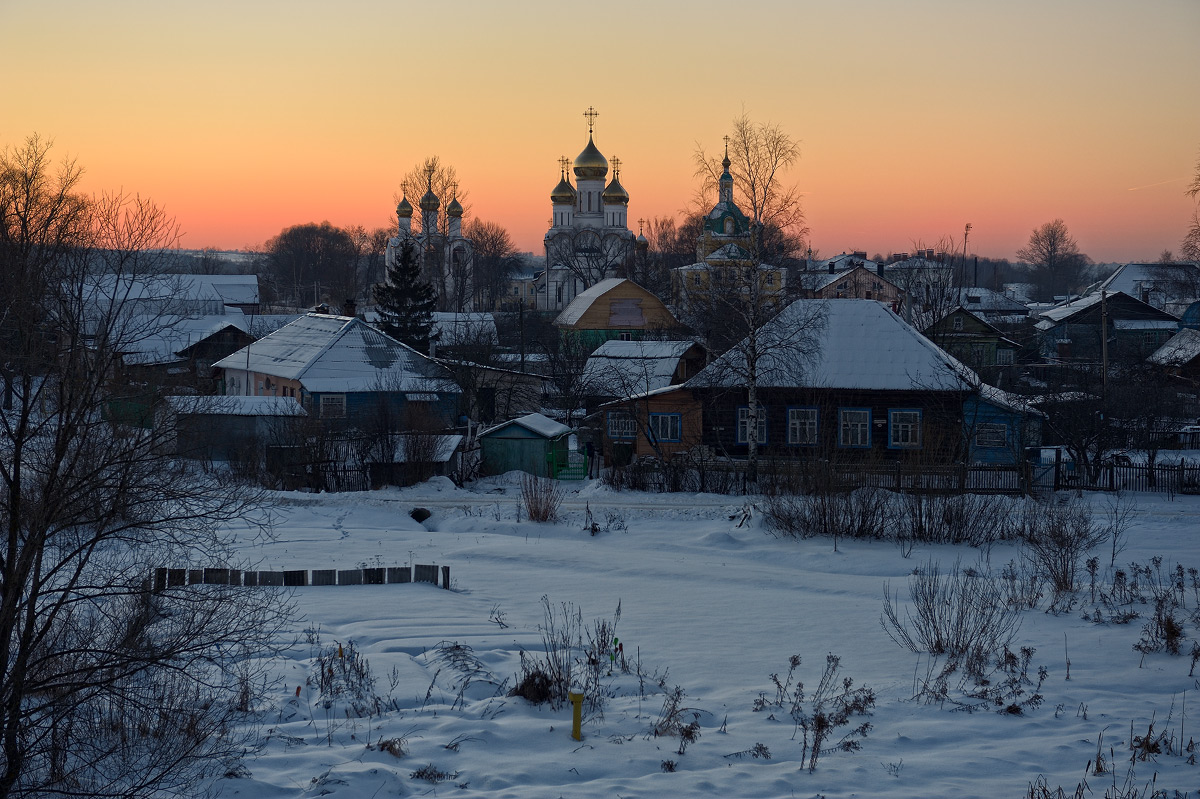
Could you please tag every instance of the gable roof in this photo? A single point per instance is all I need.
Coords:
(339, 354)
(1181, 349)
(1121, 305)
(166, 337)
(584, 301)
(618, 368)
(846, 344)
(535, 423)
(1132, 277)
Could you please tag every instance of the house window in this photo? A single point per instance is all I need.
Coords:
(904, 429)
(770, 278)
(802, 427)
(666, 426)
(626, 335)
(333, 406)
(516, 290)
(1004, 357)
(979, 354)
(958, 323)
(743, 425)
(696, 279)
(854, 427)
(992, 435)
(621, 425)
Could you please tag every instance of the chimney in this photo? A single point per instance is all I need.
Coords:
(349, 307)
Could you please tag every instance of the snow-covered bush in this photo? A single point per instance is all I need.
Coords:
(541, 497)
(960, 613)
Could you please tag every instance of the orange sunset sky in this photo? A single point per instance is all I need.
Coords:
(914, 117)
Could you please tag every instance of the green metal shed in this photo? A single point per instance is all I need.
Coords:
(533, 443)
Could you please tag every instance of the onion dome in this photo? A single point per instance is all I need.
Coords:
(454, 208)
(591, 162)
(564, 192)
(642, 242)
(404, 210)
(615, 192)
(430, 201)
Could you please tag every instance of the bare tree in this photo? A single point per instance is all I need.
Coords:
(311, 263)
(760, 156)
(110, 687)
(1057, 266)
(590, 255)
(1190, 247)
(435, 175)
(495, 259)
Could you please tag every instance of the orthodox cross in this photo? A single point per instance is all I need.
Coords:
(616, 165)
(564, 163)
(591, 115)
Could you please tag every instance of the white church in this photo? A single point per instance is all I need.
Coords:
(589, 239)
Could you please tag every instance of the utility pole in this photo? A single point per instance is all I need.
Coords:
(1103, 346)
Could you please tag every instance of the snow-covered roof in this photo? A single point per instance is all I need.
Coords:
(842, 344)
(1061, 312)
(1132, 278)
(1005, 399)
(339, 354)
(456, 329)
(621, 368)
(584, 299)
(987, 301)
(236, 406)
(534, 423)
(166, 337)
(1183, 348)
(728, 252)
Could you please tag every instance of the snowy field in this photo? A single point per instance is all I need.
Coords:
(707, 605)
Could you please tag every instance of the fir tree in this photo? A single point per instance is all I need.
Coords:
(405, 301)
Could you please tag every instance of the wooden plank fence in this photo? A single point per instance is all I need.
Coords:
(165, 578)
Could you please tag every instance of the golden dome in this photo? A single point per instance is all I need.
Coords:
(615, 192)
(404, 209)
(430, 201)
(564, 192)
(591, 162)
(454, 208)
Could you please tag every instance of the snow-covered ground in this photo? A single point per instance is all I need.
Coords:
(709, 603)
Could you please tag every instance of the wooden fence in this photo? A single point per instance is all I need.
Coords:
(165, 578)
(1176, 478)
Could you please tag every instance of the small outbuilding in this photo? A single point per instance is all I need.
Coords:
(228, 428)
(532, 443)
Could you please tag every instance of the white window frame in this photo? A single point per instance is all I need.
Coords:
(333, 406)
(854, 428)
(802, 429)
(621, 426)
(743, 425)
(904, 428)
(666, 427)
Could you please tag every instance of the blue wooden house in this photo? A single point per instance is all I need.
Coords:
(998, 426)
(345, 373)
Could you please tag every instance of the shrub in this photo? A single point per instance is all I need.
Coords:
(542, 497)
(964, 613)
(832, 706)
(1057, 535)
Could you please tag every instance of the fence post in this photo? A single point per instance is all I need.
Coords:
(446, 577)
(1057, 467)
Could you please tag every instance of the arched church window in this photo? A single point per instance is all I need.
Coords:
(728, 226)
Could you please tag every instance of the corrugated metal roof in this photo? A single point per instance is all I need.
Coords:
(339, 353)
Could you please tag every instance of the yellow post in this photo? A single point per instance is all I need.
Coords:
(576, 715)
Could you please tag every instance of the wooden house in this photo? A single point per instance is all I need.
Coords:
(1134, 329)
(844, 378)
(973, 341)
(614, 308)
